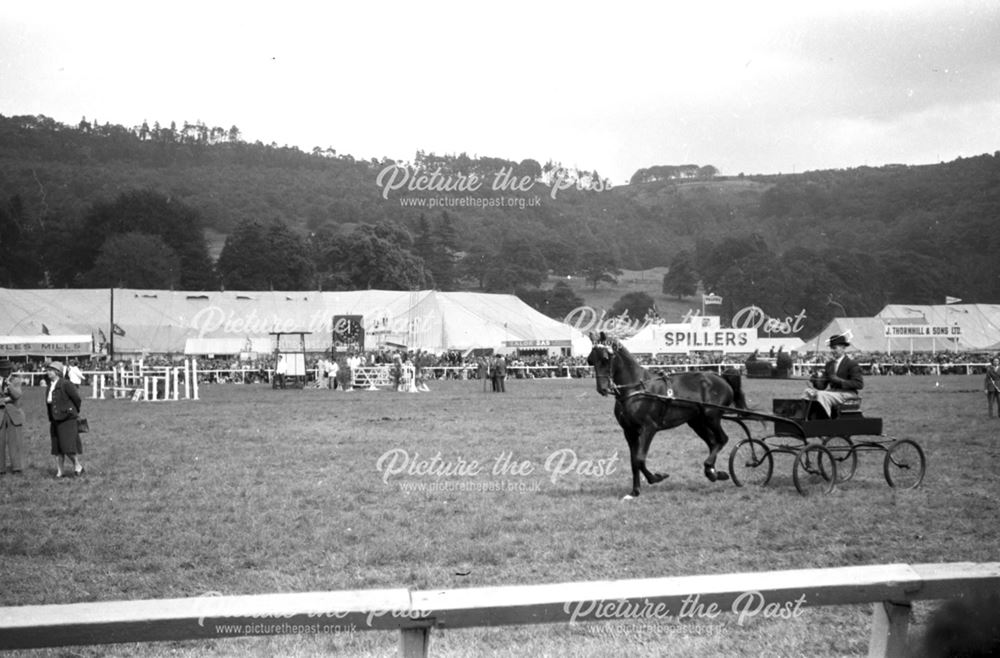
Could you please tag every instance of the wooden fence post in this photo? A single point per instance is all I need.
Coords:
(890, 622)
(413, 642)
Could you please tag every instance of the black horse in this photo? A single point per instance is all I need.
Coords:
(645, 404)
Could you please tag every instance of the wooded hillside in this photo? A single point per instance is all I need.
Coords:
(92, 205)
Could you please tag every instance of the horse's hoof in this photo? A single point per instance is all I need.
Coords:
(722, 475)
(628, 497)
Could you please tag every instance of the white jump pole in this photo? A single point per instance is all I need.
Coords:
(177, 387)
(145, 388)
(194, 377)
(187, 379)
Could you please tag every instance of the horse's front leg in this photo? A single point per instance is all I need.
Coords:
(638, 450)
(645, 439)
(632, 438)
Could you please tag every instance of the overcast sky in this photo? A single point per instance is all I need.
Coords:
(754, 87)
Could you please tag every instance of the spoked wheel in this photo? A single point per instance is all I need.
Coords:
(842, 449)
(904, 465)
(751, 463)
(815, 470)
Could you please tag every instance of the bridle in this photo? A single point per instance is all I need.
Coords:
(620, 391)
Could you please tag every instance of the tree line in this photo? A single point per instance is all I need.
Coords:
(190, 207)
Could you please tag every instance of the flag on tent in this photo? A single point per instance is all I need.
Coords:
(104, 339)
(45, 330)
(116, 330)
(951, 300)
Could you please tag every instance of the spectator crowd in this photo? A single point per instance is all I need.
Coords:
(455, 365)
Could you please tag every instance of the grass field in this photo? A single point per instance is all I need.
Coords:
(252, 490)
(650, 281)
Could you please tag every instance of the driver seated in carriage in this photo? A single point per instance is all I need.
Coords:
(840, 380)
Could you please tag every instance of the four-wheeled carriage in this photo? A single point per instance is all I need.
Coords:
(825, 449)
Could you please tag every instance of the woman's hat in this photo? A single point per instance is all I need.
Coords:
(55, 365)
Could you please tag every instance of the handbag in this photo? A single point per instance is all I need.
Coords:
(82, 426)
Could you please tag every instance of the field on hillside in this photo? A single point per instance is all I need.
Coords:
(252, 490)
(650, 281)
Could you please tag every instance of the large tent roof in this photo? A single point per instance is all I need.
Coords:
(978, 326)
(979, 323)
(865, 334)
(162, 321)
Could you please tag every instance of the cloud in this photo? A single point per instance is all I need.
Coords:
(754, 87)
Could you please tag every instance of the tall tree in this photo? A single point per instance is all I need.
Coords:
(265, 256)
(20, 264)
(372, 257)
(150, 213)
(636, 304)
(134, 260)
(518, 263)
(681, 279)
(443, 262)
(600, 267)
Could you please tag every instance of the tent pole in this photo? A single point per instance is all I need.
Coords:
(111, 329)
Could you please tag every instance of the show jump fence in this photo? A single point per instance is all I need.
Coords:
(891, 589)
(147, 383)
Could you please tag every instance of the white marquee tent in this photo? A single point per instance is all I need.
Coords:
(162, 321)
(918, 328)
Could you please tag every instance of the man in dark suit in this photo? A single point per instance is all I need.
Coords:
(11, 419)
(63, 404)
(841, 379)
(500, 375)
(993, 386)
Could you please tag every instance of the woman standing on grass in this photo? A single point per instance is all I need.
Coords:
(63, 404)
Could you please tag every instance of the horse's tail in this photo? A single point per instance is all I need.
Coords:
(735, 382)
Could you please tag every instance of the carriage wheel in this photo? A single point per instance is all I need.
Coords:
(815, 470)
(751, 462)
(842, 449)
(904, 465)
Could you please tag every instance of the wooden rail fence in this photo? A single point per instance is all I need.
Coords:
(890, 589)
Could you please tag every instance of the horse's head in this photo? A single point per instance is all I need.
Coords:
(601, 357)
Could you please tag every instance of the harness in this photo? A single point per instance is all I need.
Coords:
(620, 391)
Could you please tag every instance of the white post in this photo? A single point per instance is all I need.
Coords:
(194, 377)
(413, 642)
(187, 379)
(177, 382)
(145, 388)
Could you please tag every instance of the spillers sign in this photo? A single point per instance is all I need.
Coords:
(695, 332)
(699, 333)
